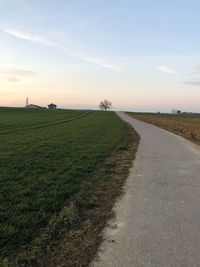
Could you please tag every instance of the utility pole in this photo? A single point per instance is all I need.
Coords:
(26, 101)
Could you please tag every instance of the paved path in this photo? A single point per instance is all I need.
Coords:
(158, 218)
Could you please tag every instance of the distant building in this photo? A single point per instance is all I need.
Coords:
(33, 106)
(175, 111)
(52, 106)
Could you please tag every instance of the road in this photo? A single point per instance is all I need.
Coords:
(158, 218)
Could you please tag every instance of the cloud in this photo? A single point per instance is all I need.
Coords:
(166, 70)
(196, 71)
(191, 75)
(112, 67)
(15, 75)
(106, 13)
(61, 45)
(11, 79)
(195, 83)
(17, 72)
(28, 37)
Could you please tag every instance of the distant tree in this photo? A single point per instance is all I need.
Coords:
(52, 106)
(105, 104)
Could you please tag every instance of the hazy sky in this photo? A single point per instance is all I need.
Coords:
(140, 54)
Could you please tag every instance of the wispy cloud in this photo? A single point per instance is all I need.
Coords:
(194, 77)
(166, 70)
(100, 62)
(106, 13)
(171, 59)
(15, 75)
(195, 83)
(29, 37)
(196, 71)
(61, 45)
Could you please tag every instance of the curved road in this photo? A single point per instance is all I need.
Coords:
(158, 219)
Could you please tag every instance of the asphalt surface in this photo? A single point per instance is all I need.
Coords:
(158, 218)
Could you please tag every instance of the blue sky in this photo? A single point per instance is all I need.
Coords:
(142, 55)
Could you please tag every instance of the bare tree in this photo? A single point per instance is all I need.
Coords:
(105, 104)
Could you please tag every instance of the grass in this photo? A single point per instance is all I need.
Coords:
(185, 125)
(55, 167)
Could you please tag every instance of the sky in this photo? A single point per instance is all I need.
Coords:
(141, 55)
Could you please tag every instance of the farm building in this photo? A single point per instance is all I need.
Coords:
(33, 106)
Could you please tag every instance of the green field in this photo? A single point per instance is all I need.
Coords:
(46, 158)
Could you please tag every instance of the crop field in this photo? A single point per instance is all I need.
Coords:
(186, 125)
(46, 157)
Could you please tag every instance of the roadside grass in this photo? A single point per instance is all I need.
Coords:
(58, 183)
(185, 125)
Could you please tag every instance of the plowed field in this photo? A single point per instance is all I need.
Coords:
(186, 125)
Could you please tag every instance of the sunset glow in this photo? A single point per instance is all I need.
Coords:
(141, 55)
